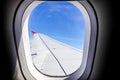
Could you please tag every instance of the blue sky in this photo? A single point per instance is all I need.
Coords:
(59, 20)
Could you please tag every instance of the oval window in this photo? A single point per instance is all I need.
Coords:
(55, 39)
(56, 34)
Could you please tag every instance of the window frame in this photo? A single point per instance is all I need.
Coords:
(91, 48)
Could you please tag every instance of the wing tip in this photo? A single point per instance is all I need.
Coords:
(33, 32)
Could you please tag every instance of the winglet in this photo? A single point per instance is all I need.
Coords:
(33, 32)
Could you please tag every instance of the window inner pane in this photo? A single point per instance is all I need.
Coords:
(56, 33)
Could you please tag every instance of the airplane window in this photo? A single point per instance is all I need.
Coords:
(55, 40)
(57, 43)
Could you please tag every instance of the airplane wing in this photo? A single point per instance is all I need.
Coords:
(54, 58)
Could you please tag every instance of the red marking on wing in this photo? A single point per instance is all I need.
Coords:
(33, 32)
